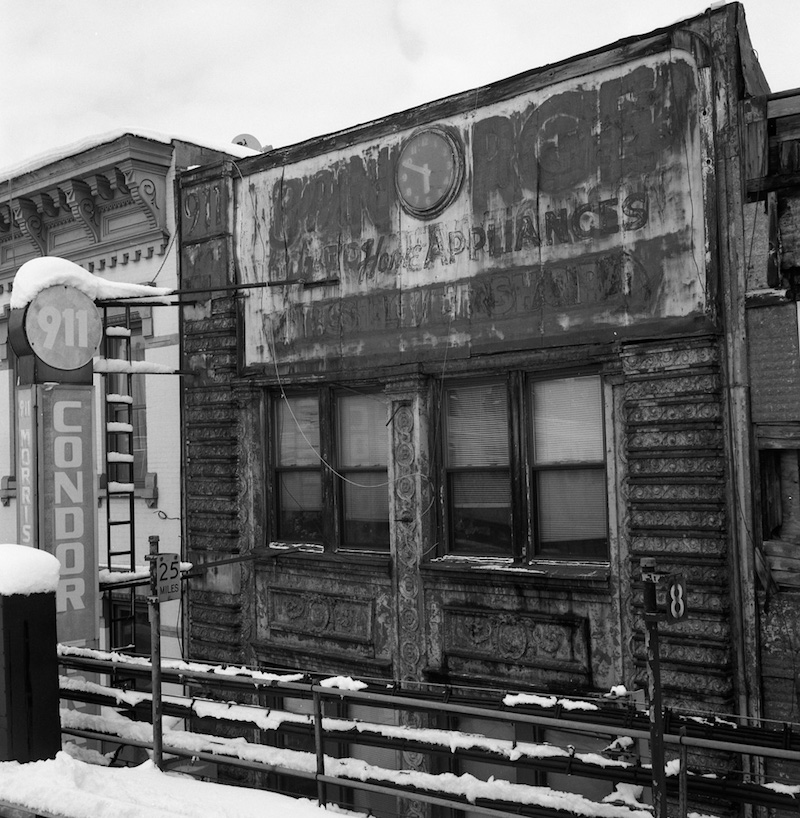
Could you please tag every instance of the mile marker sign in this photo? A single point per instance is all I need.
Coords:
(168, 577)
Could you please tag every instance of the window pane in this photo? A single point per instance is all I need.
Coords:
(481, 512)
(567, 420)
(366, 509)
(298, 432)
(477, 425)
(300, 498)
(363, 439)
(572, 513)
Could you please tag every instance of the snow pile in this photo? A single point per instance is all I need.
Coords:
(69, 787)
(119, 366)
(343, 683)
(49, 271)
(513, 699)
(27, 570)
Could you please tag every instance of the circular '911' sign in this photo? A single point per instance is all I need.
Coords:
(63, 327)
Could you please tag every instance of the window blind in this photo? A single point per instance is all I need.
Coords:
(567, 420)
(477, 424)
(298, 432)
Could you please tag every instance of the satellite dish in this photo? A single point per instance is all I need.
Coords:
(247, 140)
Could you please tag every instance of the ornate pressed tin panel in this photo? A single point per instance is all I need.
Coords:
(672, 519)
(675, 386)
(668, 358)
(406, 501)
(666, 466)
(406, 543)
(673, 413)
(345, 619)
(530, 640)
(676, 439)
(677, 492)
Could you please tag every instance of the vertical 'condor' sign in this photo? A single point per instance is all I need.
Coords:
(67, 523)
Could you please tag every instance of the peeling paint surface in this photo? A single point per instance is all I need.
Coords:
(581, 207)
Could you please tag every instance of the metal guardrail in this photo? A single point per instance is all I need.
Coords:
(209, 683)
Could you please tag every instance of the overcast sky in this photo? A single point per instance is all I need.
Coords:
(289, 70)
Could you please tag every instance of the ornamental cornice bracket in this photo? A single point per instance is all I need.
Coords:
(82, 204)
(45, 204)
(59, 199)
(6, 219)
(148, 189)
(100, 185)
(117, 181)
(30, 223)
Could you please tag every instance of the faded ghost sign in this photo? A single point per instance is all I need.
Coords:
(580, 214)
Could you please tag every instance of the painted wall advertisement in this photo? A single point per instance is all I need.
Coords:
(55, 436)
(563, 212)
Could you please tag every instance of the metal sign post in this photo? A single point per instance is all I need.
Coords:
(676, 611)
(165, 584)
(654, 694)
(153, 605)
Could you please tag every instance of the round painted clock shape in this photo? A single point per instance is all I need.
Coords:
(429, 172)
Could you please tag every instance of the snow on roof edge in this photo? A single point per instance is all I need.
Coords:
(58, 153)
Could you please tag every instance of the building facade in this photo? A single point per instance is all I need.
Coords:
(465, 372)
(108, 205)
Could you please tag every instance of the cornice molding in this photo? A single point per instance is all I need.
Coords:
(130, 172)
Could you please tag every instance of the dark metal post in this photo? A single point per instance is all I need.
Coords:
(319, 745)
(684, 778)
(155, 652)
(654, 691)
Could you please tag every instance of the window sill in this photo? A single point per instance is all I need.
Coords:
(536, 572)
(315, 552)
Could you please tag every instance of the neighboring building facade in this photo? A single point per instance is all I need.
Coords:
(486, 361)
(107, 204)
(773, 262)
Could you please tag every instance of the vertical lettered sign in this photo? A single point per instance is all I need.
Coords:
(27, 511)
(68, 508)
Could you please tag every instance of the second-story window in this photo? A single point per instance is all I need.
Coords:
(299, 469)
(524, 468)
(330, 467)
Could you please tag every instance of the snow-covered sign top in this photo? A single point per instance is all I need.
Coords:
(27, 570)
(40, 273)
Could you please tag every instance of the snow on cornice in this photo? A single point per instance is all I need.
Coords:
(58, 153)
(49, 271)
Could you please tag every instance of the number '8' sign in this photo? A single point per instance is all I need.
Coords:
(676, 599)
(63, 327)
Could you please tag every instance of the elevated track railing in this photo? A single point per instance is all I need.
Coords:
(337, 740)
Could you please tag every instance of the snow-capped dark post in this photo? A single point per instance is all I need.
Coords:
(30, 729)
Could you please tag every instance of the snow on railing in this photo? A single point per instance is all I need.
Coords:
(119, 367)
(607, 715)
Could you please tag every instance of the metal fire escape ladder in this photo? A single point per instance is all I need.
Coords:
(119, 470)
